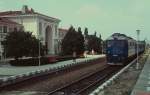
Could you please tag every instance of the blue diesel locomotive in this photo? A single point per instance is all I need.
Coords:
(119, 48)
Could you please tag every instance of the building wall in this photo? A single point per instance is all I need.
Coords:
(53, 37)
(29, 23)
(37, 25)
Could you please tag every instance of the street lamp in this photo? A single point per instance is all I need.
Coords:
(138, 33)
(102, 46)
(39, 50)
(145, 44)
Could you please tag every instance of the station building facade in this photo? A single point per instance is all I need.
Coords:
(42, 27)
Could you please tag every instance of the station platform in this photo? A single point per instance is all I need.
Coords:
(7, 70)
(142, 86)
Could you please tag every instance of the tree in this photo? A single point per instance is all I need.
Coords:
(20, 43)
(80, 42)
(68, 42)
(86, 31)
(95, 33)
(73, 41)
(94, 43)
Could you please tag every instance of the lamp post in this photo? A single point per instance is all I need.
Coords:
(138, 33)
(102, 46)
(39, 51)
(145, 44)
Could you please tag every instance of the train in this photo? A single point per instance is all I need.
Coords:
(120, 48)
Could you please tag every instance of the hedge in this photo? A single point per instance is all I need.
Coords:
(30, 62)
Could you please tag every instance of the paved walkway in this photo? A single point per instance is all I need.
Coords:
(142, 86)
(7, 70)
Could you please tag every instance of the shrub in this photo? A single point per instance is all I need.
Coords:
(30, 62)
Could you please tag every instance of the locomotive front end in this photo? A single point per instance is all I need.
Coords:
(116, 51)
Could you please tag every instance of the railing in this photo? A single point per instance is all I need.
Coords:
(21, 77)
(100, 89)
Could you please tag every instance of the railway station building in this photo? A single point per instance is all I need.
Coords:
(42, 27)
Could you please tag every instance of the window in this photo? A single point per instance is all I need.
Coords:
(55, 29)
(15, 29)
(1, 29)
(109, 43)
(40, 28)
(2, 37)
(5, 29)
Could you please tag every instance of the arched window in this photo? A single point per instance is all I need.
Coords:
(15, 29)
(5, 29)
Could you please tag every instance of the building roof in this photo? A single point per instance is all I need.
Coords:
(63, 30)
(7, 21)
(23, 12)
(119, 36)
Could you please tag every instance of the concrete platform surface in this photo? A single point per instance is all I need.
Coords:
(142, 86)
(8, 70)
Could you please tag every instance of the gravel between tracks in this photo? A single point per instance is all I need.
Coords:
(42, 87)
(126, 81)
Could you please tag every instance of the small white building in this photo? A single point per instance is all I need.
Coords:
(5, 27)
(43, 27)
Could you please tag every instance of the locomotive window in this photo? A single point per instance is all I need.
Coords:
(116, 43)
(120, 44)
(110, 43)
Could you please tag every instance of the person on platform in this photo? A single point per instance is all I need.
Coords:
(93, 52)
(85, 54)
(74, 56)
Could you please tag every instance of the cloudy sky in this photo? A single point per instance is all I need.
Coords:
(104, 16)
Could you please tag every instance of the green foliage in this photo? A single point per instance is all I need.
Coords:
(73, 41)
(30, 62)
(80, 42)
(86, 31)
(20, 43)
(94, 43)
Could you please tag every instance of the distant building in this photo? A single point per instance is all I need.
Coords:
(5, 27)
(43, 27)
(93, 44)
(62, 33)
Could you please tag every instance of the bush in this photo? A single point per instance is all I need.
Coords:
(30, 62)
(69, 57)
(43, 60)
(64, 58)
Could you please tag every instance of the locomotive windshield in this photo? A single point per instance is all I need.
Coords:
(117, 43)
(115, 47)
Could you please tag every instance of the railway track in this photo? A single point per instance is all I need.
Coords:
(29, 85)
(82, 85)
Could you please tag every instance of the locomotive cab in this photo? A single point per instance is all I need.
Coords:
(121, 48)
(116, 51)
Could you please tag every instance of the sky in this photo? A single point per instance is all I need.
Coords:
(103, 16)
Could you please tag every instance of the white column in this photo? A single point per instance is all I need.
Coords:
(137, 64)
(53, 40)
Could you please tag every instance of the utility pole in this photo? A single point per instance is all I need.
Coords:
(39, 51)
(137, 64)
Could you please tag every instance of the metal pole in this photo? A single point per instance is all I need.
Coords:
(102, 46)
(145, 44)
(137, 64)
(39, 51)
